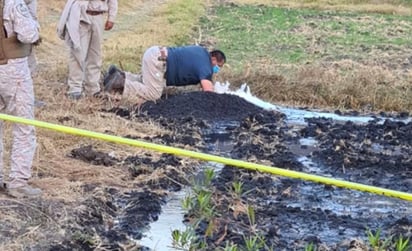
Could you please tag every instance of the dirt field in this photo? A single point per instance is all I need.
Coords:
(103, 196)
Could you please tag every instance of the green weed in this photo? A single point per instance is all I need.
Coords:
(402, 244)
(209, 176)
(254, 243)
(375, 240)
(188, 203)
(84, 238)
(237, 187)
(230, 247)
(310, 247)
(251, 215)
(204, 204)
(183, 239)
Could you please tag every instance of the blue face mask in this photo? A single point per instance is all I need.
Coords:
(216, 69)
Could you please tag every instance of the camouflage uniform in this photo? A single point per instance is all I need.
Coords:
(85, 62)
(16, 93)
(32, 5)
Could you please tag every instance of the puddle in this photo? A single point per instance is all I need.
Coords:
(304, 147)
(375, 209)
(342, 202)
(218, 138)
(298, 116)
(159, 235)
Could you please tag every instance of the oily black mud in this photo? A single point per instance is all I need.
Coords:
(376, 153)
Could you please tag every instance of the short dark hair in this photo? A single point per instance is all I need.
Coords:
(219, 55)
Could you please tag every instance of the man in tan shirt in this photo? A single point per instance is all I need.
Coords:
(81, 25)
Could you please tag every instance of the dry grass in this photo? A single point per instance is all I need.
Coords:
(343, 84)
(31, 224)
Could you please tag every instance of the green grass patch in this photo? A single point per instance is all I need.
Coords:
(299, 36)
(182, 17)
(314, 57)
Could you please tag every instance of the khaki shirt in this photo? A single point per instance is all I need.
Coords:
(109, 6)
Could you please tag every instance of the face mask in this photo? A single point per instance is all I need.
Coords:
(216, 69)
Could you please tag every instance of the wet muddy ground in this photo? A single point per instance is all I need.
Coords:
(290, 213)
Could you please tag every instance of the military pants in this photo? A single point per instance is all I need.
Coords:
(17, 98)
(85, 65)
(151, 83)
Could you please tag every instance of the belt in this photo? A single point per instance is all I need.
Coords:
(94, 12)
(163, 54)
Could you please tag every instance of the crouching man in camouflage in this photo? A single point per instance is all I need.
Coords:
(19, 32)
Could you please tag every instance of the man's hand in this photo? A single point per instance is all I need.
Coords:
(109, 25)
(207, 85)
(221, 87)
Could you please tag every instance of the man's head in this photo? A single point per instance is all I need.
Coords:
(218, 59)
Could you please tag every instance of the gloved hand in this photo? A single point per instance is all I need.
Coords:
(244, 88)
(221, 87)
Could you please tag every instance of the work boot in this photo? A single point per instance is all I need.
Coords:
(74, 96)
(25, 191)
(3, 187)
(98, 94)
(114, 80)
(39, 103)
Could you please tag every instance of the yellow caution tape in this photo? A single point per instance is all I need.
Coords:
(210, 157)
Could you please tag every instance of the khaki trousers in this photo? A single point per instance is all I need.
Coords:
(151, 83)
(17, 98)
(85, 65)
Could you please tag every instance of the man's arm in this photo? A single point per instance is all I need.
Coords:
(207, 85)
(23, 24)
(112, 12)
(32, 5)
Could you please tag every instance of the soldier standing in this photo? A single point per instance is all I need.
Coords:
(19, 32)
(81, 26)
